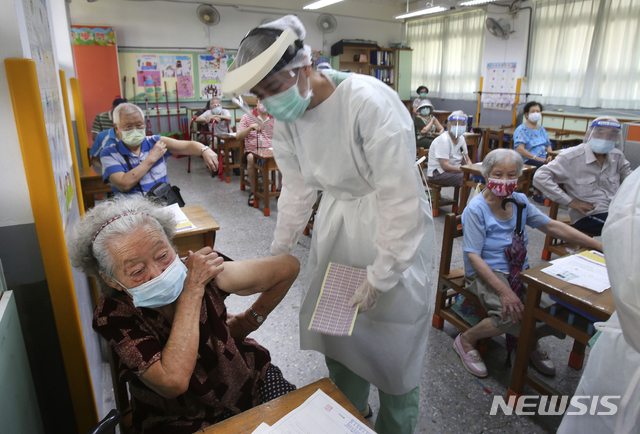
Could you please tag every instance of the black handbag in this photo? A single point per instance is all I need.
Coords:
(166, 193)
(163, 192)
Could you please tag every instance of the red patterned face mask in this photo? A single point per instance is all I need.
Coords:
(502, 187)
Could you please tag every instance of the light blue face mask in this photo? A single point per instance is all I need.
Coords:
(601, 146)
(289, 105)
(162, 290)
(458, 130)
(425, 112)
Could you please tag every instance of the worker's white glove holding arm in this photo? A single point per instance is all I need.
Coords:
(367, 295)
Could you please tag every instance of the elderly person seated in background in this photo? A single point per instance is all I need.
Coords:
(422, 92)
(448, 151)
(256, 131)
(137, 162)
(188, 363)
(487, 232)
(532, 141)
(590, 173)
(426, 125)
(220, 117)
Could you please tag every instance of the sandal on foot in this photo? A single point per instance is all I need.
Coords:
(250, 203)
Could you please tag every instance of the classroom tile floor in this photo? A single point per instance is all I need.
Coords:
(451, 400)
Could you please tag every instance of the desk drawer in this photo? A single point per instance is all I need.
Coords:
(576, 124)
(553, 122)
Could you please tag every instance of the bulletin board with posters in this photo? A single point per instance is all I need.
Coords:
(188, 75)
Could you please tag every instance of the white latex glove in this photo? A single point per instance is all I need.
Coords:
(367, 295)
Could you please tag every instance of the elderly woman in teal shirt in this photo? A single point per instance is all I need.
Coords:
(532, 141)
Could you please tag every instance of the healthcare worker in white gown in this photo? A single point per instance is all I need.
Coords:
(350, 136)
(613, 366)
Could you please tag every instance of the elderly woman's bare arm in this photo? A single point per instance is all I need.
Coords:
(567, 233)
(271, 276)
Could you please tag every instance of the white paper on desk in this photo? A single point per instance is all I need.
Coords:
(263, 428)
(182, 222)
(320, 415)
(581, 271)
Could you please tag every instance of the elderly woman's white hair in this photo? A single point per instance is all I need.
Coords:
(254, 45)
(125, 109)
(498, 156)
(90, 239)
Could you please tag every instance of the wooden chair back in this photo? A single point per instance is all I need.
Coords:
(556, 245)
(451, 283)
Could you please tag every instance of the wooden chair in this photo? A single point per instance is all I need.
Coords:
(491, 140)
(451, 283)
(312, 219)
(556, 245)
(244, 172)
(437, 200)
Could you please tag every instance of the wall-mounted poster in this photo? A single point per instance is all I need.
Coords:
(37, 20)
(211, 72)
(500, 77)
(93, 35)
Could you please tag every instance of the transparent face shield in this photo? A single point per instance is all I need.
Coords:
(457, 125)
(604, 130)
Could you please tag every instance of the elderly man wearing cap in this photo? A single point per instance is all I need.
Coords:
(448, 152)
(104, 121)
(350, 136)
(590, 173)
(426, 125)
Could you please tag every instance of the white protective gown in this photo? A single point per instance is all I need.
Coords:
(613, 367)
(358, 147)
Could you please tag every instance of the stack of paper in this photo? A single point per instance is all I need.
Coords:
(334, 315)
(585, 269)
(183, 223)
(317, 415)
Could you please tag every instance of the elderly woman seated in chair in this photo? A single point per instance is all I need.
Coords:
(487, 231)
(189, 364)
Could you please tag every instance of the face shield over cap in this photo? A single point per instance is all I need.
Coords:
(457, 123)
(425, 108)
(603, 135)
(272, 47)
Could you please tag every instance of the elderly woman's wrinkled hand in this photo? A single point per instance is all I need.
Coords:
(202, 267)
(240, 326)
(511, 303)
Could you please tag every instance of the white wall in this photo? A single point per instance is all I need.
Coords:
(165, 24)
(15, 207)
(62, 42)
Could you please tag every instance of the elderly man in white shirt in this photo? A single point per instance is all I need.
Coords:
(448, 151)
(590, 173)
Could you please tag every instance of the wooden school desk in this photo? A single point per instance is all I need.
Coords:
(265, 163)
(204, 233)
(597, 304)
(272, 411)
(91, 183)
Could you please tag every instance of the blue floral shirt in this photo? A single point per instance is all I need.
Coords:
(535, 141)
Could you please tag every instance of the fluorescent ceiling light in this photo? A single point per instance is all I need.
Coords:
(427, 11)
(476, 2)
(321, 4)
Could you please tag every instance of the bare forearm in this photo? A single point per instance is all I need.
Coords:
(567, 233)
(487, 274)
(448, 167)
(128, 180)
(523, 151)
(243, 134)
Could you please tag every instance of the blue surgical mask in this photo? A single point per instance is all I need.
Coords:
(601, 146)
(423, 95)
(289, 105)
(425, 112)
(217, 110)
(162, 290)
(458, 130)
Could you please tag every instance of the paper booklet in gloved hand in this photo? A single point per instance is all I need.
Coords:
(333, 314)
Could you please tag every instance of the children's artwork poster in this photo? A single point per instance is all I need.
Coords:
(211, 72)
(41, 52)
(167, 66)
(185, 86)
(500, 77)
(91, 35)
(183, 66)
